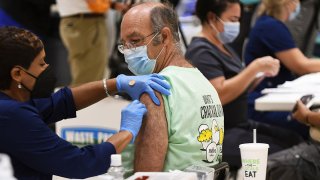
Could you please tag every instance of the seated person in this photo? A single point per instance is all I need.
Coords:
(187, 128)
(301, 161)
(210, 53)
(27, 107)
(271, 37)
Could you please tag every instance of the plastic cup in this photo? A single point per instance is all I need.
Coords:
(254, 158)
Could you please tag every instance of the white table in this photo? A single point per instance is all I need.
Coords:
(280, 102)
(284, 97)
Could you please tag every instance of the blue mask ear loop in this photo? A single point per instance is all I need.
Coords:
(160, 53)
(151, 41)
(214, 27)
(220, 20)
(152, 38)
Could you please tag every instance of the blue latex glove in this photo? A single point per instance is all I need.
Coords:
(143, 84)
(131, 118)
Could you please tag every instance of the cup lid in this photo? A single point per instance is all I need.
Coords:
(254, 145)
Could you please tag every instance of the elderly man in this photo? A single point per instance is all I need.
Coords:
(188, 127)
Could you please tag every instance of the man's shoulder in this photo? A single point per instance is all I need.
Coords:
(188, 79)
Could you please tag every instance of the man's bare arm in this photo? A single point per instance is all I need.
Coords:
(152, 140)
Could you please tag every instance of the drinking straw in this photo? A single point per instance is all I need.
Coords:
(254, 135)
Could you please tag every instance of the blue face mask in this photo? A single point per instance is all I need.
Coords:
(138, 60)
(230, 33)
(295, 13)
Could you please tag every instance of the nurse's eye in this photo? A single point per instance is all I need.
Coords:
(42, 64)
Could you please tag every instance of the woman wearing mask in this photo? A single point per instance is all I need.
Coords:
(210, 53)
(270, 36)
(37, 152)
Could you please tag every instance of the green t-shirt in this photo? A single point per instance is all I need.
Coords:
(195, 120)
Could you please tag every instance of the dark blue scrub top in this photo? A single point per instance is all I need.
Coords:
(268, 37)
(36, 151)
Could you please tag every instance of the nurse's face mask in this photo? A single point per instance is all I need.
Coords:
(44, 85)
(293, 15)
(230, 33)
(137, 57)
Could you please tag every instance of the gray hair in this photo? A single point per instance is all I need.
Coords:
(165, 16)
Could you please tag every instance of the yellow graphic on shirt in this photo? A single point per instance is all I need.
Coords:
(205, 136)
(209, 139)
(221, 136)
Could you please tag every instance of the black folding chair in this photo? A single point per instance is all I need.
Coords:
(221, 171)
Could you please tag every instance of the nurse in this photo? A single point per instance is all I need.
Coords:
(271, 37)
(37, 152)
(210, 53)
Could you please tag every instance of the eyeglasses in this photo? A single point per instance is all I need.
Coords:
(134, 44)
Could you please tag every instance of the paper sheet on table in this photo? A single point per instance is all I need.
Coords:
(284, 97)
(306, 80)
(315, 89)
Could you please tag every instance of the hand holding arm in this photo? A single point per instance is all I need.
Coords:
(92, 92)
(135, 86)
(131, 119)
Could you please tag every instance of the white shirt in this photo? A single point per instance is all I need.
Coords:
(72, 7)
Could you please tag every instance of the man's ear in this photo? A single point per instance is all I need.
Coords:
(16, 74)
(166, 35)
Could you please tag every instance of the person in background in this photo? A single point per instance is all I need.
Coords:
(187, 128)
(305, 27)
(28, 14)
(37, 152)
(84, 33)
(210, 53)
(37, 18)
(301, 161)
(271, 37)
